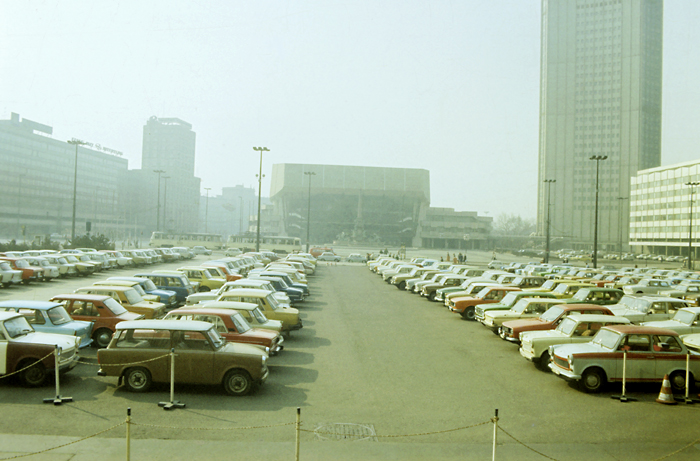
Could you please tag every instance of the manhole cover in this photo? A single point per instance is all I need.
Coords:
(346, 431)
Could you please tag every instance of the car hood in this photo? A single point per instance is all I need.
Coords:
(622, 311)
(670, 324)
(543, 334)
(62, 341)
(239, 348)
(580, 348)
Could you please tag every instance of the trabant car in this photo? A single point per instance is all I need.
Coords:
(81, 267)
(511, 330)
(21, 346)
(508, 302)
(524, 308)
(576, 328)
(687, 292)
(648, 308)
(50, 271)
(177, 282)
(268, 304)
(203, 356)
(129, 298)
(65, 269)
(130, 284)
(399, 280)
(648, 286)
(356, 258)
(685, 322)
(167, 297)
(651, 353)
(447, 280)
(205, 277)
(50, 317)
(231, 326)
(256, 284)
(103, 311)
(595, 295)
(466, 306)
(251, 312)
(29, 273)
(8, 275)
(200, 250)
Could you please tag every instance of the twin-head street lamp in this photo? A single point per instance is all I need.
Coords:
(261, 150)
(597, 159)
(549, 183)
(308, 210)
(692, 185)
(76, 142)
(158, 208)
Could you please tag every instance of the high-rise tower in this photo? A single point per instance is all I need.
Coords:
(600, 95)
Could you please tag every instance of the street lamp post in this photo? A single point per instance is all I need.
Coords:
(206, 211)
(597, 159)
(19, 203)
(240, 215)
(76, 142)
(620, 199)
(308, 210)
(692, 185)
(165, 202)
(158, 208)
(549, 183)
(261, 150)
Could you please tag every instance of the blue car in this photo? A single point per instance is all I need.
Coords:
(167, 297)
(180, 284)
(48, 317)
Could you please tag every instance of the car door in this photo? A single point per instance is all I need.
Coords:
(194, 360)
(641, 365)
(666, 350)
(657, 311)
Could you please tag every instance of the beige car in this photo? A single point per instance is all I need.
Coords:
(129, 298)
(267, 304)
(125, 283)
(251, 312)
(203, 356)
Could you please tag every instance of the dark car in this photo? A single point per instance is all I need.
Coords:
(171, 282)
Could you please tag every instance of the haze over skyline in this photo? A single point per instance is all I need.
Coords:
(452, 87)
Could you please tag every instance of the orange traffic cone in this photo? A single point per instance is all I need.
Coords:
(666, 394)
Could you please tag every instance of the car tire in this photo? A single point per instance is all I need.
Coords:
(102, 337)
(593, 380)
(33, 376)
(204, 289)
(137, 379)
(677, 380)
(543, 363)
(469, 314)
(431, 296)
(401, 286)
(238, 382)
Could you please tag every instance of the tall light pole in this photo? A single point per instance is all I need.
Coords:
(19, 202)
(206, 211)
(549, 183)
(158, 209)
(619, 201)
(597, 159)
(692, 185)
(76, 142)
(240, 215)
(165, 202)
(308, 210)
(261, 150)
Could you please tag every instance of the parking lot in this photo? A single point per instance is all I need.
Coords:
(369, 356)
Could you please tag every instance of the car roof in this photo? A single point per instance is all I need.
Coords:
(82, 297)
(202, 310)
(248, 292)
(106, 287)
(641, 330)
(151, 324)
(599, 318)
(24, 304)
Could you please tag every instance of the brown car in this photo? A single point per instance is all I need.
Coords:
(29, 272)
(232, 326)
(104, 311)
(139, 354)
(510, 331)
(466, 306)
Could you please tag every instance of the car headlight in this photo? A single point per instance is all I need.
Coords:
(264, 359)
(267, 349)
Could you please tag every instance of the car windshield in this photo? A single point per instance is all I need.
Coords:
(561, 288)
(62, 260)
(684, 317)
(150, 286)
(259, 316)
(72, 259)
(521, 305)
(552, 314)
(241, 324)
(132, 297)
(567, 326)
(581, 295)
(58, 315)
(114, 306)
(273, 302)
(215, 338)
(606, 338)
(17, 327)
(22, 264)
(5, 266)
(509, 299)
(85, 258)
(549, 284)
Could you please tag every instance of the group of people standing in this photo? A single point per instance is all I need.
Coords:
(456, 258)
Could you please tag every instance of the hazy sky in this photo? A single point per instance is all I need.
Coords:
(449, 86)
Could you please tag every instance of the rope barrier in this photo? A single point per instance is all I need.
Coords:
(398, 435)
(27, 367)
(523, 444)
(212, 428)
(65, 444)
(123, 364)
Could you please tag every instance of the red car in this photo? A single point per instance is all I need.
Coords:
(510, 331)
(29, 273)
(104, 311)
(466, 306)
(231, 326)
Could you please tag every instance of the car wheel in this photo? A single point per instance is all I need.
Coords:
(137, 379)
(33, 376)
(204, 289)
(401, 286)
(543, 363)
(431, 296)
(469, 314)
(102, 337)
(677, 380)
(593, 380)
(238, 382)
(26, 281)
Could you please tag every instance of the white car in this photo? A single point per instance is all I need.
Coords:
(648, 308)
(200, 250)
(686, 321)
(356, 258)
(328, 256)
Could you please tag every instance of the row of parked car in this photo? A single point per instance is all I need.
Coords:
(578, 323)
(241, 323)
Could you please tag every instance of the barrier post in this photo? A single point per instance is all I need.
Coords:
(623, 397)
(58, 400)
(297, 430)
(173, 403)
(128, 434)
(495, 435)
(688, 399)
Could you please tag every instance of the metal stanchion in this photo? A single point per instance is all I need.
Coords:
(128, 434)
(688, 399)
(298, 429)
(495, 434)
(173, 403)
(623, 397)
(58, 400)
